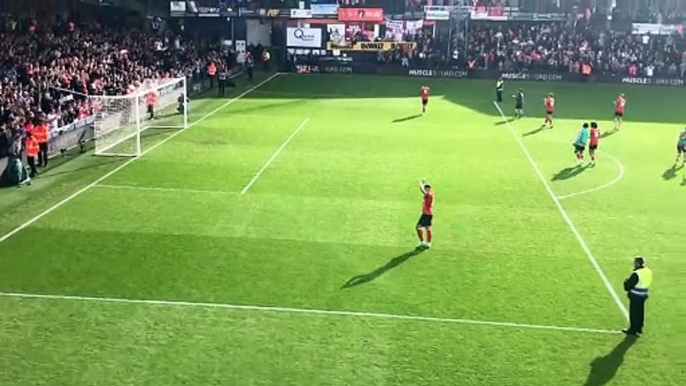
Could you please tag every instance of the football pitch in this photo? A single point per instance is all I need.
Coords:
(272, 243)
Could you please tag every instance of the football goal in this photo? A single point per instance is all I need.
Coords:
(124, 126)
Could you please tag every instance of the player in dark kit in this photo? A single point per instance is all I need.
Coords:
(424, 93)
(221, 82)
(249, 65)
(426, 218)
(499, 88)
(519, 103)
(182, 103)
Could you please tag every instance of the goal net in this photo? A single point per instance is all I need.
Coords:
(124, 125)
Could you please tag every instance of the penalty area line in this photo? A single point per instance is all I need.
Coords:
(305, 311)
(127, 163)
(276, 154)
(565, 216)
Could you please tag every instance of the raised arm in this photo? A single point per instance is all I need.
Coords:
(422, 182)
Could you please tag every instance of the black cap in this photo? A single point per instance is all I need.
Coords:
(639, 260)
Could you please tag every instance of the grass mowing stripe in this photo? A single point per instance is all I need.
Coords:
(309, 311)
(565, 216)
(276, 154)
(127, 163)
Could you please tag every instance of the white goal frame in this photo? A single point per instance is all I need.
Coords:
(121, 118)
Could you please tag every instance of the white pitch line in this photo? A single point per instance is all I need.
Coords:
(170, 190)
(306, 311)
(620, 175)
(276, 154)
(127, 163)
(565, 216)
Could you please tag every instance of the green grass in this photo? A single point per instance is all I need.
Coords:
(337, 206)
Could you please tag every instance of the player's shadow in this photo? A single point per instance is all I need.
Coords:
(568, 173)
(670, 173)
(533, 132)
(505, 122)
(394, 262)
(408, 118)
(604, 368)
(606, 134)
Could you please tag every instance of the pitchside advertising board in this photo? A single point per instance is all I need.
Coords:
(370, 46)
(304, 37)
(435, 73)
(373, 69)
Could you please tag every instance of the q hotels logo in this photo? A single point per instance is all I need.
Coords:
(300, 34)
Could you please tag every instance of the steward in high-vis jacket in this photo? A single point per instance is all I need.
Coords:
(636, 287)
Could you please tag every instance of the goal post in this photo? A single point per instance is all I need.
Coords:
(124, 125)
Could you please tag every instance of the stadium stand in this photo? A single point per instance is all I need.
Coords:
(548, 47)
(557, 47)
(46, 70)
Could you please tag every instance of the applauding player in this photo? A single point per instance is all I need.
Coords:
(681, 148)
(426, 218)
(549, 109)
(620, 103)
(424, 93)
(580, 143)
(593, 142)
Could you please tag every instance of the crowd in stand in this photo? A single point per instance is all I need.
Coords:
(46, 71)
(564, 48)
(549, 47)
(425, 48)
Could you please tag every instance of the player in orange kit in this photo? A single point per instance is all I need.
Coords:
(424, 93)
(594, 140)
(426, 218)
(549, 109)
(620, 103)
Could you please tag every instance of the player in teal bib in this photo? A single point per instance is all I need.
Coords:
(681, 148)
(580, 143)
